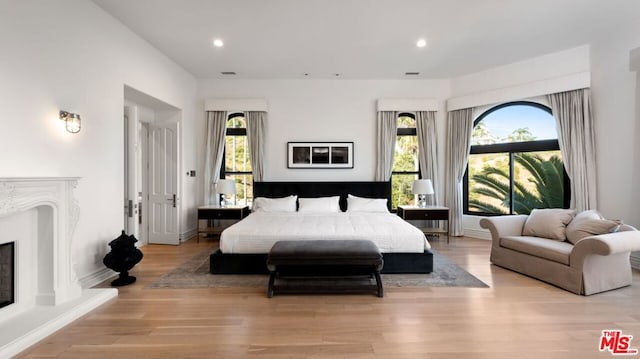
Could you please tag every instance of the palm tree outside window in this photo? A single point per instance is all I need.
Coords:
(515, 164)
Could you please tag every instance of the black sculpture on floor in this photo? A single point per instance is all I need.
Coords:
(123, 256)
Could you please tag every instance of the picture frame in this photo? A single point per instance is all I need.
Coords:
(319, 154)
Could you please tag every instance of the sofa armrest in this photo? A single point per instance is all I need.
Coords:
(502, 226)
(604, 245)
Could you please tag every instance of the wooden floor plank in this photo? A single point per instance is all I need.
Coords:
(517, 317)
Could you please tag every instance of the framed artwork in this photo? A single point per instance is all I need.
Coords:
(319, 154)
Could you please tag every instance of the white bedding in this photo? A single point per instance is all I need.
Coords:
(260, 230)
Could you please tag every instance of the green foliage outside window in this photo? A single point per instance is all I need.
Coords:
(538, 182)
(405, 164)
(237, 164)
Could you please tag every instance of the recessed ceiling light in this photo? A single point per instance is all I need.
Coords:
(218, 43)
(421, 43)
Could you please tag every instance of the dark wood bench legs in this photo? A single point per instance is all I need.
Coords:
(379, 284)
(274, 274)
(272, 280)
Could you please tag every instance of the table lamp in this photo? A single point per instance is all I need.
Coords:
(224, 187)
(422, 188)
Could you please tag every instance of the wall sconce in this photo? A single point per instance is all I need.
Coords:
(72, 121)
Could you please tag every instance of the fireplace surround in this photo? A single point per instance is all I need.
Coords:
(40, 214)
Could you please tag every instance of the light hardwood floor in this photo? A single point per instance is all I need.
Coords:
(517, 317)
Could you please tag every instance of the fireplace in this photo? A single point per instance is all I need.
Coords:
(7, 274)
(39, 215)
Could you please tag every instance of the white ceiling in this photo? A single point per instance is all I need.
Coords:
(365, 39)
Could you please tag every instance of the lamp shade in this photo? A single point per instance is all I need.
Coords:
(423, 186)
(226, 186)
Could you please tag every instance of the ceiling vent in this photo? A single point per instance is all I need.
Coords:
(414, 73)
(228, 72)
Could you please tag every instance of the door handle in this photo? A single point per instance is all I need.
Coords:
(174, 200)
(129, 207)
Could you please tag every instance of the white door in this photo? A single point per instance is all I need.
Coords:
(163, 183)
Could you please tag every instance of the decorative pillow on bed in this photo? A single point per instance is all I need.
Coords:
(319, 205)
(548, 223)
(361, 204)
(284, 204)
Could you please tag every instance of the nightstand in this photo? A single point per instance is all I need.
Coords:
(210, 213)
(428, 213)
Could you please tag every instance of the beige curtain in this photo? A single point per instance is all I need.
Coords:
(459, 129)
(215, 132)
(386, 141)
(255, 136)
(574, 121)
(428, 148)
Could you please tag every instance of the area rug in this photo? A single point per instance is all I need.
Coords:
(194, 273)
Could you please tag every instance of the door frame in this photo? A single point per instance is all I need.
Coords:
(143, 110)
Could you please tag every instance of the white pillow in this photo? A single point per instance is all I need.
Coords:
(284, 204)
(319, 205)
(361, 204)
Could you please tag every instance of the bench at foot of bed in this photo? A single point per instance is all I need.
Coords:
(234, 263)
(315, 259)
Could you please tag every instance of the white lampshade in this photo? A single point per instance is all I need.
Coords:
(423, 186)
(226, 186)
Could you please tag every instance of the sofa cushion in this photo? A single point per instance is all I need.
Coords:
(548, 223)
(540, 247)
(589, 223)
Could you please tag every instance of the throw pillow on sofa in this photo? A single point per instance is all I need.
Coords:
(589, 223)
(548, 223)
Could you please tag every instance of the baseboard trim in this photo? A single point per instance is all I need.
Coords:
(477, 233)
(188, 234)
(97, 277)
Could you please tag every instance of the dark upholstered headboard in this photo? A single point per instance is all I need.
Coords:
(324, 189)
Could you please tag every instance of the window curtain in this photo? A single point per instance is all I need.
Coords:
(386, 144)
(574, 121)
(215, 130)
(459, 129)
(255, 136)
(427, 148)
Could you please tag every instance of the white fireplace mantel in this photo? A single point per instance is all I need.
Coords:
(55, 298)
(22, 194)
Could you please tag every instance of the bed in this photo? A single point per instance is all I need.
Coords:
(244, 245)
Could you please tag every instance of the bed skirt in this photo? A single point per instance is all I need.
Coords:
(221, 263)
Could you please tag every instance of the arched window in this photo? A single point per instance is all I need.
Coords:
(236, 164)
(405, 161)
(515, 164)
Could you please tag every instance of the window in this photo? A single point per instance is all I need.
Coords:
(515, 164)
(236, 164)
(405, 161)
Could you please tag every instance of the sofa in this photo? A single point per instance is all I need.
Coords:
(583, 253)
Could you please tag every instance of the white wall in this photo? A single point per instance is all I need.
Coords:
(322, 110)
(614, 106)
(550, 66)
(50, 64)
